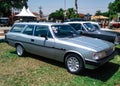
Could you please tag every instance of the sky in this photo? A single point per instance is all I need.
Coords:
(84, 6)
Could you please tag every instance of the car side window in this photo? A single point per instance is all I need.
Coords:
(42, 31)
(29, 30)
(77, 27)
(17, 28)
(96, 27)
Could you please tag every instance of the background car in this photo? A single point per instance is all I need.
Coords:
(75, 19)
(4, 21)
(114, 24)
(89, 29)
(60, 42)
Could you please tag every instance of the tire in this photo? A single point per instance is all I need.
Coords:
(74, 64)
(20, 50)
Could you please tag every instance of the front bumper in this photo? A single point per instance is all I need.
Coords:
(96, 63)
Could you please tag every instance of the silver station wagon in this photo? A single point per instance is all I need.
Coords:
(60, 42)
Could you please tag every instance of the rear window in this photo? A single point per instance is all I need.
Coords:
(17, 28)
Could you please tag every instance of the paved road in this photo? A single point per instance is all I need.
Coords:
(5, 28)
(3, 37)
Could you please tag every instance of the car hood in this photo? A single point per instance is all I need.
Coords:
(89, 43)
(108, 33)
(111, 31)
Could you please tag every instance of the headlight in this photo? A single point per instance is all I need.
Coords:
(102, 54)
(99, 55)
(117, 39)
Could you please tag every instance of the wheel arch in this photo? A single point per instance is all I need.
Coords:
(19, 44)
(74, 52)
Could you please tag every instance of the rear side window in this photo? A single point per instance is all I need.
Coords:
(17, 28)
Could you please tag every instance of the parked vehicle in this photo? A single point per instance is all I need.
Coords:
(74, 19)
(114, 24)
(88, 29)
(60, 42)
(97, 26)
(4, 21)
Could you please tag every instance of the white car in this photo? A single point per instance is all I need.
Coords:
(88, 28)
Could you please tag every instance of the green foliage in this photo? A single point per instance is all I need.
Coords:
(105, 14)
(98, 12)
(71, 13)
(58, 15)
(62, 15)
(114, 8)
(7, 5)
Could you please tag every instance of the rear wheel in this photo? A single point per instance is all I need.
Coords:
(20, 50)
(74, 63)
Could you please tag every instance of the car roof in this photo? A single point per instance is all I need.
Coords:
(77, 22)
(82, 22)
(93, 22)
(75, 19)
(38, 23)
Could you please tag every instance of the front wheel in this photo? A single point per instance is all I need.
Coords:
(20, 50)
(74, 63)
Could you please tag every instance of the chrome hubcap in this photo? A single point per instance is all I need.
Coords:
(19, 50)
(73, 64)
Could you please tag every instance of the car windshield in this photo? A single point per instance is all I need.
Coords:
(62, 31)
(89, 26)
(96, 27)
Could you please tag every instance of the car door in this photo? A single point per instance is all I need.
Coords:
(43, 42)
(26, 38)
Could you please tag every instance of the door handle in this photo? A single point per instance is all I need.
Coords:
(32, 40)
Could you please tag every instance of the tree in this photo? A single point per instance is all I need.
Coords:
(62, 15)
(105, 14)
(98, 12)
(7, 5)
(71, 13)
(57, 15)
(76, 6)
(114, 8)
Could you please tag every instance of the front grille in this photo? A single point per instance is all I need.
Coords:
(118, 39)
(109, 51)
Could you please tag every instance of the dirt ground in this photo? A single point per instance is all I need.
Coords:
(116, 29)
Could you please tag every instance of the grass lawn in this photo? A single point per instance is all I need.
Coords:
(38, 71)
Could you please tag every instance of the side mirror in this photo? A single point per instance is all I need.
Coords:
(80, 32)
(45, 36)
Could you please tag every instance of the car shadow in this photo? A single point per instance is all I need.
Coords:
(47, 60)
(103, 73)
(117, 51)
(2, 40)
